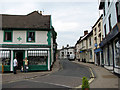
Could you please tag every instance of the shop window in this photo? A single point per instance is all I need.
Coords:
(37, 57)
(30, 36)
(106, 56)
(5, 57)
(117, 53)
(110, 55)
(7, 36)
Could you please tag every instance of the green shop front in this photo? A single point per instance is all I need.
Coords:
(38, 58)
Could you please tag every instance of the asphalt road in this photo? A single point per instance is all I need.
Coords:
(70, 76)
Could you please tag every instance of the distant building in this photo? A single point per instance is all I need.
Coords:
(65, 52)
(31, 36)
(84, 48)
(111, 31)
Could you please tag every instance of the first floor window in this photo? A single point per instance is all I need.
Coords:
(5, 57)
(37, 57)
(118, 10)
(30, 36)
(7, 36)
(117, 53)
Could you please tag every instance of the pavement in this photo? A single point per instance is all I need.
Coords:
(102, 78)
(10, 77)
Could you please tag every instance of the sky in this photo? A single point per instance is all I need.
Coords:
(70, 18)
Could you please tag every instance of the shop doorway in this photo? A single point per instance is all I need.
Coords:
(98, 58)
(20, 56)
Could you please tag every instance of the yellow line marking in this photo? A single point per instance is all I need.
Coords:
(89, 80)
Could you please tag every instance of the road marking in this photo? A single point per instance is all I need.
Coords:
(51, 83)
(91, 80)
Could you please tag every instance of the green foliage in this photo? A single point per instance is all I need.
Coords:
(85, 84)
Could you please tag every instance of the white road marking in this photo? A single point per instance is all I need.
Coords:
(52, 84)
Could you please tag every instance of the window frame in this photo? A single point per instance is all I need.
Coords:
(108, 3)
(117, 9)
(109, 19)
(27, 37)
(105, 30)
(11, 36)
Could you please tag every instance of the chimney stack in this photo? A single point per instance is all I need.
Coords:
(41, 12)
(85, 32)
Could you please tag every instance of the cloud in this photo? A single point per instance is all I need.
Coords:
(3, 1)
(65, 26)
(69, 19)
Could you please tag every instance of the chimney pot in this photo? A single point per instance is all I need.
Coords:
(41, 12)
(85, 32)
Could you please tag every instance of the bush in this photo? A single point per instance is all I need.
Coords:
(85, 84)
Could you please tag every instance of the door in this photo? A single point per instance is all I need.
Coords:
(20, 55)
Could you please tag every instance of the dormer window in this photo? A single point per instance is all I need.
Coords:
(30, 36)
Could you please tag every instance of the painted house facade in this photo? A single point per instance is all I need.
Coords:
(90, 49)
(83, 47)
(111, 38)
(85, 52)
(98, 37)
(30, 36)
(65, 52)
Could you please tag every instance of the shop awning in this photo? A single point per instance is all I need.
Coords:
(111, 35)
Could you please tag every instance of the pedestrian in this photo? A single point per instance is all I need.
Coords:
(15, 64)
(21, 68)
(26, 65)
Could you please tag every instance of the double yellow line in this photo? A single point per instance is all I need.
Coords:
(92, 78)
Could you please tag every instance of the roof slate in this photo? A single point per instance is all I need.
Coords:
(33, 20)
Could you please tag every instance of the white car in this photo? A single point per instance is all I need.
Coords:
(72, 57)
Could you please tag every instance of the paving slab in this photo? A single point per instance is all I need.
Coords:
(103, 77)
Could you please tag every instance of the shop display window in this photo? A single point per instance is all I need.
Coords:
(37, 57)
(5, 57)
(117, 53)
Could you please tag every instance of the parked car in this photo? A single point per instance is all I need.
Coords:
(71, 57)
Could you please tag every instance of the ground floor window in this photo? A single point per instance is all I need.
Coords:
(117, 53)
(38, 57)
(106, 55)
(110, 55)
(5, 57)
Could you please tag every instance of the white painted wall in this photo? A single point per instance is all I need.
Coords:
(1, 36)
(41, 37)
(109, 10)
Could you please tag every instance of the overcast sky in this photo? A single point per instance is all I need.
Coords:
(69, 17)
